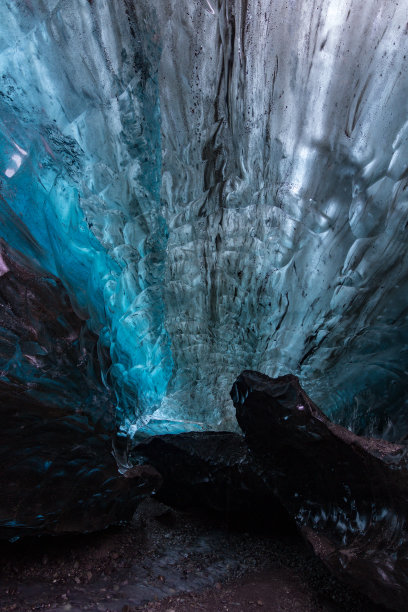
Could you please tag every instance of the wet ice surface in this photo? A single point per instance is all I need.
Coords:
(164, 556)
(220, 186)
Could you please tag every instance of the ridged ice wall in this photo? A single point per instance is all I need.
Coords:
(220, 186)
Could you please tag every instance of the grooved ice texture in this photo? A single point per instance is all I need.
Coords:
(218, 185)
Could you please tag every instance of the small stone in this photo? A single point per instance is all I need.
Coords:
(259, 602)
(218, 586)
(77, 580)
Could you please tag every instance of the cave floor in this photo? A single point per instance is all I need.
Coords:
(170, 561)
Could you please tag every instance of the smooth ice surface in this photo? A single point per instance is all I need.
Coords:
(219, 185)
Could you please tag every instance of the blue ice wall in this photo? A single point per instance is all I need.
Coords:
(219, 185)
(81, 166)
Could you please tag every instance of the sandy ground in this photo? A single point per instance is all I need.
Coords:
(170, 561)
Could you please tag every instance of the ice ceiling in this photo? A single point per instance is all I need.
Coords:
(219, 185)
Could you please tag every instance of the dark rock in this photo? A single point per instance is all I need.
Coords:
(57, 471)
(347, 494)
(213, 470)
(150, 509)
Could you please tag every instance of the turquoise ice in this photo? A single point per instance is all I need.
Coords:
(219, 186)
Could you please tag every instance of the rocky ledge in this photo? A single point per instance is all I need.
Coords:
(347, 494)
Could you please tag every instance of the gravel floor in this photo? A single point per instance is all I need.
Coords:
(170, 561)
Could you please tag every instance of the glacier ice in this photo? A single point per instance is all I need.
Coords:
(219, 185)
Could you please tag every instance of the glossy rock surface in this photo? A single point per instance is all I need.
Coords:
(347, 494)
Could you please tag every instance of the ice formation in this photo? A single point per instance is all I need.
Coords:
(219, 185)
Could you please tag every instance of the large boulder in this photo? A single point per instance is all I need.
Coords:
(347, 494)
(216, 471)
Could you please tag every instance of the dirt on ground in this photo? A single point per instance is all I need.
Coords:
(170, 561)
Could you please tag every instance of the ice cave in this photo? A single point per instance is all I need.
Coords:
(198, 196)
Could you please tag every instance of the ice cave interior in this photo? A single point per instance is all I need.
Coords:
(199, 195)
(211, 186)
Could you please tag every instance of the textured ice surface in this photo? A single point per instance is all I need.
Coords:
(81, 165)
(219, 185)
